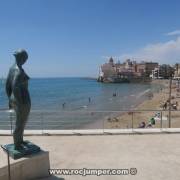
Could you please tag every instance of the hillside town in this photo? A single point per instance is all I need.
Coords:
(132, 71)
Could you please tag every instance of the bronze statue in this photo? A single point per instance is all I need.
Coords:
(18, 94)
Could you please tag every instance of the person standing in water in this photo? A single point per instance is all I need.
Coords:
(18, 95)
(89, 99)
(63, 105)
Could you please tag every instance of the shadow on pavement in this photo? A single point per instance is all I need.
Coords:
(52, 178)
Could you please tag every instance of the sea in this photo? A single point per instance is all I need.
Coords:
(71, 103)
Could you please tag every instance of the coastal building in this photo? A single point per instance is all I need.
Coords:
(128, 71)
(109, 69)
(149, 67)
(164, 71)
(177, 71)
(155, 73)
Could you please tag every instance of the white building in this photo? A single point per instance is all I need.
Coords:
(177, 71)
(108, 69)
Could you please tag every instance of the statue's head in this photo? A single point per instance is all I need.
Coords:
(21, 56)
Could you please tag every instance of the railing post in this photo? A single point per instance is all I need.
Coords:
(170, 86)
(103, 124)
(73, 123)
(161, 119)
(132, 125)
(11, 115)
(42, 123)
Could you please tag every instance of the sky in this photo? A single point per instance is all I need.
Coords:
(72, 38)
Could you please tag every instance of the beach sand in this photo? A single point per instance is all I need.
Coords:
(129, 119)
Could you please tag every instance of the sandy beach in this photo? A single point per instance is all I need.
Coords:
(143, 114)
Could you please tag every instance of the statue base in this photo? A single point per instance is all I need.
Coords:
(28, 149)
(34, 166)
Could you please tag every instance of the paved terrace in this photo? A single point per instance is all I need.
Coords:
(156, 156)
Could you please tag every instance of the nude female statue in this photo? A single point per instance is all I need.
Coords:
(18, 95)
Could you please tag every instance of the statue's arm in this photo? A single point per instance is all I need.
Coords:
(8, 85)
(18, 90)
(9, 88)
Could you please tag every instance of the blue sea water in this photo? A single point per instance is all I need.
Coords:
(49, 95)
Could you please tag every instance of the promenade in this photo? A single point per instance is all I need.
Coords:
(155, 156)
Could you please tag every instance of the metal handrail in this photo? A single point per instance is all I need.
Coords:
(44, 123)
(84, 110)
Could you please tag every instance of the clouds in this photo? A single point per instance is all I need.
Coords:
(167, 52)
(173, 33)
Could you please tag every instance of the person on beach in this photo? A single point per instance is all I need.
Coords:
(175, 105)
(142, 125)
(151, 123)
(165, 106)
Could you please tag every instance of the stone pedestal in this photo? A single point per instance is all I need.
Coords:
(27, 148)
(28, 168)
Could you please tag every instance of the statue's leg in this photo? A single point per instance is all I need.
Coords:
(17, 132)
(21, 119)
(24, 121)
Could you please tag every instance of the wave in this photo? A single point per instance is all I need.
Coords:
(143, 93)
